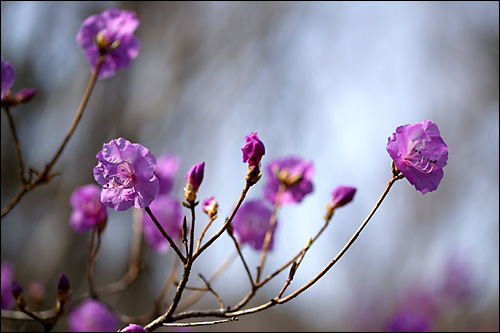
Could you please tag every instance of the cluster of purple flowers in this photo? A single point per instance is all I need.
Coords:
(129, 175)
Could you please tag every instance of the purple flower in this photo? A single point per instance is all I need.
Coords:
(8, 77)
(169, 213)
(166, 169)
(126, 172)
(210, 206)
(253, 149)
(88, 210)
(7, 276)
(251, 223)
(420, 154)
(341, 196)
(133, 328)
(92, 316)
(409, 320)
(110, 33)
(293, 171)
(194, 177)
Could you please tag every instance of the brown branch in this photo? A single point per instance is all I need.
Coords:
(45, 176)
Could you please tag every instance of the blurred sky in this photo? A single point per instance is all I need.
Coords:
(328, 81)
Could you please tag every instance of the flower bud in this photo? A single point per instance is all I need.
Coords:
(341, 196)
(194, 177)
(210, 207)
(253, 149)
(62, 292)
(18, 293)
(24, 95)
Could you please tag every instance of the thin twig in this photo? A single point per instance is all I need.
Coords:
(45, 176)
(202, 323)
(225, 226)
(209, 288)
(164, 233)
(270, 230)
(242, 259)
(194, 297)
(16, 142)
(212, 218)
(230, 313)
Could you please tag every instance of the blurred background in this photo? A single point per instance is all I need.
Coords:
(327, 81)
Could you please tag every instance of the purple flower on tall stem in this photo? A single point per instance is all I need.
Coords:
(8, 77)
(92, 316)
(111, 34)
(125, 171)
(166, 170)
(169, 213)
(88, 210)
(419, 152)
(7, 276)
(294, 172)
(253, 149)
(251, 223)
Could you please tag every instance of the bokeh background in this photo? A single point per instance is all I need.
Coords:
(328, 81)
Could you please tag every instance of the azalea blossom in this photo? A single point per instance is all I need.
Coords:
(253, 149)
(251, 223)
(88, 210)
(166, 170)
(419, 152)
(111, 34)
(7, 276)
(293, 171)
(125, 171)
(8, 77)
(92, 316)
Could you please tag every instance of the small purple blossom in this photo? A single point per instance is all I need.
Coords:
(341, 196)
(166, 170)
(125, 170)
(293, 171)
(8, 77)
(110, 33)
(409, 320)
(169, 213)
(210, 206)
(133, 328)
(7, 276)
(92, 316)
(251, 223)
(419, 152)
(88, 210)
(253, 149)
